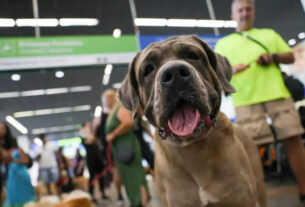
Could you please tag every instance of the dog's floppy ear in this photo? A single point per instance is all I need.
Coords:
(128, 92)
(221, 65)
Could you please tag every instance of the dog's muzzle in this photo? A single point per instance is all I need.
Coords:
(174, 74)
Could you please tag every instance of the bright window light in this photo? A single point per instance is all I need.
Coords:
(159, 22)
(98, 111)
(64, 22)
(37, 22)
(7, 22)
(16, 77)
(117, 33)
(16, 124)
(59, 74)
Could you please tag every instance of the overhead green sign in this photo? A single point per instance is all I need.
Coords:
(66, 45)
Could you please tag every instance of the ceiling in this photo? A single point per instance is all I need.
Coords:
(285, 16)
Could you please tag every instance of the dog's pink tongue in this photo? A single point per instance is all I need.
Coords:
(184, 121)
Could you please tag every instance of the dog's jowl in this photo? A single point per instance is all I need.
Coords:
(201, 158)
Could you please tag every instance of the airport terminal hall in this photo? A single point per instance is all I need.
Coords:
(133, 103)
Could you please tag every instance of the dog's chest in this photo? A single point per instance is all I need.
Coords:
(206, 197)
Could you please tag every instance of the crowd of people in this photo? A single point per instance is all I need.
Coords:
(103, 139)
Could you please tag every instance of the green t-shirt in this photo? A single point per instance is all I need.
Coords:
(257, 83)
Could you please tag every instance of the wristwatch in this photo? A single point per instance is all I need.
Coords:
(275, 58)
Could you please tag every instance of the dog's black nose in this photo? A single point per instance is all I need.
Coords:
(176, 73)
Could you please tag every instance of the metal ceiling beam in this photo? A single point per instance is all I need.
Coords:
(133, 12)
(36, 16)
(303, 4)
(212, 14)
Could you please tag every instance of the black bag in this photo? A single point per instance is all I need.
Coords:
(295, 87)
(125, 154)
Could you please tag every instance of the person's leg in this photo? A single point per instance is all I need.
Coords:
(296, 155)
(117, 181)
(144, 196)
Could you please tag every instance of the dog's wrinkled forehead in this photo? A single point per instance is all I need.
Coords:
(157, 54)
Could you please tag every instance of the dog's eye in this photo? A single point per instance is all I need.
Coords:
(192, 56)
(148, 69)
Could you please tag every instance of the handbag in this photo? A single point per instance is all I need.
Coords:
(294, 85)
(125, 154)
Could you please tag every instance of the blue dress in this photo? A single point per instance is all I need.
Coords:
(19, 189)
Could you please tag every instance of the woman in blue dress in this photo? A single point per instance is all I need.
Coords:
(19, 189)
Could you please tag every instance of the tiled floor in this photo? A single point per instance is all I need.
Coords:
(282, 192)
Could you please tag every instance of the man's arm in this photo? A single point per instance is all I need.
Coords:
(285, 58)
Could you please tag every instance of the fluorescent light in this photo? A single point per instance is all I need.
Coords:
(37, 92)
(98, 111)
(106, 79)
(78, 22)
(117, 33)
(10, 94)
(80, 88)
(43, 112)
(292, 42)
(181, 22)
(56, 90)
(55, 129)
(39, 131)
(38, 141)
(230, 24)
(24, 114)
(52, 111)
(49, 91)
(301, 35)
(62, 110)
(37, 22)
(82, 108)
(150, 22)
(7, 22)
(108, 69)
(16, 77)
(59, 74)
(16, 124)
(184, 22)
(116, 85)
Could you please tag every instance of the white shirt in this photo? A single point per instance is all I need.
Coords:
(47, 153)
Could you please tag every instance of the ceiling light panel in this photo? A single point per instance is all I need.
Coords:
(65, 22)
(37, 22)
(10, 94)
(7, 22)
(153, 22)
(16, 124)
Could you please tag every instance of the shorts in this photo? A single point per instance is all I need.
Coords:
(285, 120)
(49, 175)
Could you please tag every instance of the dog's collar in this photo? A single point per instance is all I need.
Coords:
(206, 121)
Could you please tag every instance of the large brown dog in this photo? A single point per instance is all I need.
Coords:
(201, 159)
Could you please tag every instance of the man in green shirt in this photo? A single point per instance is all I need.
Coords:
(260, 89)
